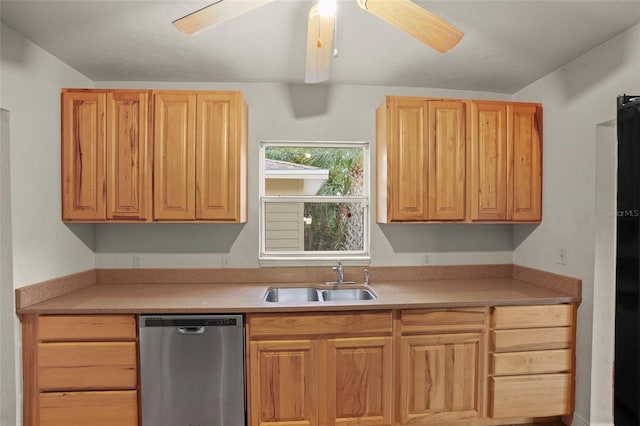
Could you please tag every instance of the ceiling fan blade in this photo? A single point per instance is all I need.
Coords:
(319, 46)
(413, 19)
(215, 13)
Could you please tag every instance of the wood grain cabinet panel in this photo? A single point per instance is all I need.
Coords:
(488, 174)
(128, 156)
(407, 159)
(92, 365)
(359, 383)
(200, 143)
(320, 368)
(441, 370)
(531, 395)
(105, 156)
(511, 317)
(83, 156)
(532, 361)
(174, 155)
(138, 156)
(443, 160)
(531, 339)
(80, 370)
(89, 408)
(506, 162)
(221, 157)
(422, 321)
(447, 160)
(422, 177)
(86, 327)
(525, 129)
(285, 384)
(439, 378)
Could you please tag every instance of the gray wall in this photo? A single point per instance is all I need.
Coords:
(40, 247)
(577, 98)
(8, 406)
(43, 247)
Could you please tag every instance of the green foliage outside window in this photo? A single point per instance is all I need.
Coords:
(334, 226)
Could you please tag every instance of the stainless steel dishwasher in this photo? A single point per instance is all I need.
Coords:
(192, 370)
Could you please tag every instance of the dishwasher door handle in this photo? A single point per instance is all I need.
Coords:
(190, 330)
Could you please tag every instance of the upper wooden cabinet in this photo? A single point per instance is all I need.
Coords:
(83, 156)
(200, 156)
(199, 150)
(420, 160)
(458, 160)
(506, 162)
(174, 129)
(105, 156)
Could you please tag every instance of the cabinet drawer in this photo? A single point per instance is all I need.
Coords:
(94, 365)
(443, 320)
(535, 362)
(86, 327)
(531, 340)
(314, 324)
(531, 396)
(89, 408)
(532, 316)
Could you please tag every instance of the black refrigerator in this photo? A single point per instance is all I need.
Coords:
(627, 333)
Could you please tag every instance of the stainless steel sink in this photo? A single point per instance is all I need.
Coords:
(340, 294)
(311, 294)
(291, 295)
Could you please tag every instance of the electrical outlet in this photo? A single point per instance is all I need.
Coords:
(137, 261)
(561, 256)
(426, 259)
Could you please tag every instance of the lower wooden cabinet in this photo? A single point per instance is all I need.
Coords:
(80, 370)
(531, 362)
(440, 365)
(439, 377)
(358, 388)
(472, 365)
(304, 374)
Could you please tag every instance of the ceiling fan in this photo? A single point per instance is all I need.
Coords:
(406, 15)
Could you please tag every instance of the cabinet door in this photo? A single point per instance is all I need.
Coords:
(174, 156)
(525, 124)
(446, 177)
(218, 152)
(439, 378)
(359, 382)
(128, 166)
(284, 383)
(407, 158)
(488, 170)
(83, 156)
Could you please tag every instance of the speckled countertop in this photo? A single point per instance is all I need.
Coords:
(139, 298)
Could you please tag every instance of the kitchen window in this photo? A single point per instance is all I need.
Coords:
(314, 202)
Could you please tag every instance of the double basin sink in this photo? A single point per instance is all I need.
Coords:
(317, 294)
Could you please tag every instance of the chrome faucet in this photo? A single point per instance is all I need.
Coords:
(340, 271)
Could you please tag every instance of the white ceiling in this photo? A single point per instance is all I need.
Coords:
(507, 44)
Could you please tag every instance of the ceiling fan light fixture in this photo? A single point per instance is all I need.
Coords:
(327, 8)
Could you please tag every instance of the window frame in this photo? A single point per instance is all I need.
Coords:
(314, 258)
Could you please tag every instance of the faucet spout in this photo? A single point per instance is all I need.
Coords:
(339, 270)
